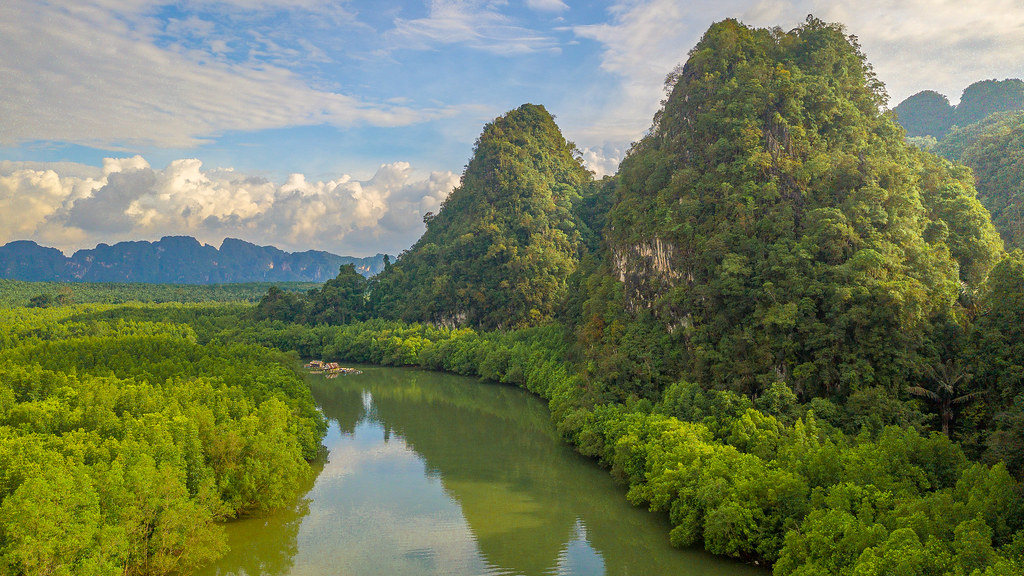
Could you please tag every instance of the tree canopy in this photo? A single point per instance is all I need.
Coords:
(994, 149)
(499, 251)
(775, 226)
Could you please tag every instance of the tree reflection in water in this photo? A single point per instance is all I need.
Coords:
(436, 474)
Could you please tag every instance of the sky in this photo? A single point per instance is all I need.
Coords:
(335, 125)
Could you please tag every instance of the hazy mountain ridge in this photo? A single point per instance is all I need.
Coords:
(929, 113)
(984, 132)
(178, 260)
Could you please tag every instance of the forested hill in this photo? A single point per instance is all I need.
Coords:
(985, 132)
(177, 260)
(500, 249)
(775, 226)
(994, 150)
(929, 113)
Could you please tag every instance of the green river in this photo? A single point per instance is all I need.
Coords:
(430, 473)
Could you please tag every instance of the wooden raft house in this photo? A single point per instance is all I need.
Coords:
(331, 369)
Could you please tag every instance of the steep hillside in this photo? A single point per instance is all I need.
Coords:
(775, 226)
(988, 97)
(498, 252)
(26, 260)
(926, 113)
(178, 260)
(994, 150)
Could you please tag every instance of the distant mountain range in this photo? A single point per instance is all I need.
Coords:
(176, 260)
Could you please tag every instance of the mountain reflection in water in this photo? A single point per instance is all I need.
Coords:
(436, 474)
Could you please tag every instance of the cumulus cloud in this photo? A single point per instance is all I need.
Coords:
(912, 44)
(603, 160)
(130, 200)
(96, 72)
(28, 197)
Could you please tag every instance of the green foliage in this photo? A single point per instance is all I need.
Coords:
(124, 442)
(762, 480)
(18, 293)
(499, 251)
(958, 219)
(759, 326)
(926, 113)
(997, 355)
(994, 150)
(982, 99)
(746, 324)
(929, 114)
(775, 226)
(340, 300)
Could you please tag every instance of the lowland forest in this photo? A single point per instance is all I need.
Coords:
(788, 323)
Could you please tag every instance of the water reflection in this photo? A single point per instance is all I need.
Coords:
(434, 474)
(265, 545)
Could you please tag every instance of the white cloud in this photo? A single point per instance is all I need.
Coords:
(547, 5)
(913, 45)
(93, 73)
(28, 197)
(130, 200)
(475, 23)
(942, 45)
(603, 161)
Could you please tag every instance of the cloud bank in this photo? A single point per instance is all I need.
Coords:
(102, 73)
(127, 199)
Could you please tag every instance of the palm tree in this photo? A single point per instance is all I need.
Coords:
(947, 378)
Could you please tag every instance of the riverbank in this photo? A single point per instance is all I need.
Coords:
(404, 492)
(765, 484)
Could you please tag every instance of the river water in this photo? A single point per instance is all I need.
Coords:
(431, 473)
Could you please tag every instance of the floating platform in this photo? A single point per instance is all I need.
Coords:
(331, 369)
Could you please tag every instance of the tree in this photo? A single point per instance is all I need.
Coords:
(994, 150)
(997, 359)
(280, 305)
(926, 113)
(41, 301)
(947, 380)
(341, 300)
(50, 524)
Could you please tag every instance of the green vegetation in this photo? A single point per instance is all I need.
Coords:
(498, 252)
(767, 479)
(788, 328)
(775, 226)
(982, 99)
(984, 132)
(929, 113)
(994, 150)
(926, 113)
(780, 323)
(43, 294)
(123, 443)
(339, 300)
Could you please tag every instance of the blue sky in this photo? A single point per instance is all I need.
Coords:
(336, 125)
